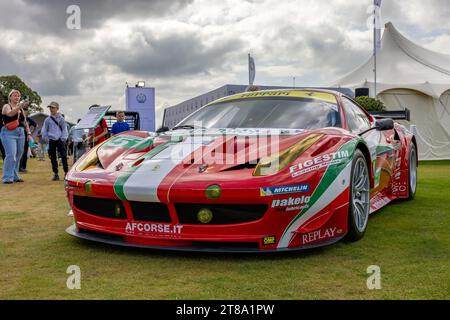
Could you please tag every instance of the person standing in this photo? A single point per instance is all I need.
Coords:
(42, 147)
(32, 125)
(120, 125)
(13, 136)
(100, 131)
(77, 137)
(54, 130)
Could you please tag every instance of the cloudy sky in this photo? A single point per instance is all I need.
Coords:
(187, 47)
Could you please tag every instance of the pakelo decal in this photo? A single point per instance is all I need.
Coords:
(292, 201)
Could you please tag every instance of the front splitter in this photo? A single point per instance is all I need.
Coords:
(98, 237)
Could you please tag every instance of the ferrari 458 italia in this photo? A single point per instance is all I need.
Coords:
(253, 172)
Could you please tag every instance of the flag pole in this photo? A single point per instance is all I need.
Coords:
(375, 51)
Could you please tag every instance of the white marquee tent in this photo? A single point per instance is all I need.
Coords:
(416, 78)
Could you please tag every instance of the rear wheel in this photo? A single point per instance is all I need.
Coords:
(359, 204)
(412, 171)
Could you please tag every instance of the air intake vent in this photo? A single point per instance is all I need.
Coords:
(150, 211)
(221, 213)
(106, 208)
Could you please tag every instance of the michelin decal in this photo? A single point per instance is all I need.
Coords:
(274, 191)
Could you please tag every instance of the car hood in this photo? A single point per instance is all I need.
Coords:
(208, 150)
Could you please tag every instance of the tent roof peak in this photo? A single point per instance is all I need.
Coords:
(401, 61)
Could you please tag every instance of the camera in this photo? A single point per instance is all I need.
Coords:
(26, 99)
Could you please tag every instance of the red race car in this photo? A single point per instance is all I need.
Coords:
(253, 172)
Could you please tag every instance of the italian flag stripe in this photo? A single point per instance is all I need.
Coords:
(328, 184)
(122, 179)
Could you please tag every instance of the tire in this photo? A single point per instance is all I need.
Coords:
(412, 172)
(359, 202)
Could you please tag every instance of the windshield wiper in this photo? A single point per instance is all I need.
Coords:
(187, 126)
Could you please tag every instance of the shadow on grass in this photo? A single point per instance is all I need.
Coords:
(390, 209)
(195, 255)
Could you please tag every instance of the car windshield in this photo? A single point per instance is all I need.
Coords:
(279, 113)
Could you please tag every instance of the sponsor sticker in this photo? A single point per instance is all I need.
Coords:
(291, 201)
(297, 208)
(131, 227)
(266, 94)
(399, 187)
(317, 235)
(269, 240)
(123, 141)
(277, 190)
(318, 162)
(378, 200)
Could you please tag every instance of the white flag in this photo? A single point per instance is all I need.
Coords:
(251, 70)
(377, 25)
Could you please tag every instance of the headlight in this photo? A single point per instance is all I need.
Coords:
(274, 163)
(90, 161)
(213, 192)
(204, 215)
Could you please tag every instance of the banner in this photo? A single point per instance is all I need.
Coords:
(377, 25)
(142, 100)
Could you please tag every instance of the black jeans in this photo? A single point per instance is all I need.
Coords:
(23, 161)
(59, 145)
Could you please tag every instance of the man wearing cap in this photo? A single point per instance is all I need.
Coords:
(54, 130)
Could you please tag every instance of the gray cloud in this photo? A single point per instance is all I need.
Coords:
(48, 17)
(50, 74)
(195, 45)
(176, 54)
(425, 16)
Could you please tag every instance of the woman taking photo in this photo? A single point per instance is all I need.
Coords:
(13, 136)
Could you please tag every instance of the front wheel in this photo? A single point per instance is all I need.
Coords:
(359, 202)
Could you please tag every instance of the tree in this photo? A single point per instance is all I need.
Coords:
(371, 104)
(7, 83)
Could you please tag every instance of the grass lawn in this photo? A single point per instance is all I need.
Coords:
(410, 241)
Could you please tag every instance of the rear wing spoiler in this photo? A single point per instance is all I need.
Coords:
(394, 115)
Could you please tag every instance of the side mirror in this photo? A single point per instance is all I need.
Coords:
(384, 124)
(381, 125)
(162, 129)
